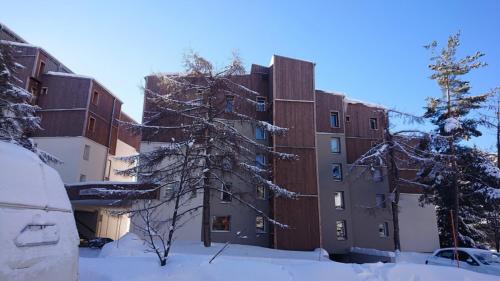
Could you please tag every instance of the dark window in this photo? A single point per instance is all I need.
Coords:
(44, 90)
(341, 230)
(86, 152)
(334, 119)
(83, 178)
(335, 145)
(260, 224)
(464, 257)
(348, 118)
(337, 171)
(373, 123)
(95, 98)
(339, 200)
(261, 104)
(260, 161)
(260, 133)
(91, 126)
(229, 104)
(383, 229)
(446, 254)
(226, 197)
(261, 193)
(221, 223)
(41, 69)
(380, 200)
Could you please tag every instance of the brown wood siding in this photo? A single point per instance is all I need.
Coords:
(325, 104)
(126, 135)
(61, 123)
(355, 147)
(64, 92)
(101, 130)
(25, 56)
(359, 125)
(293, 81)
(409, 174)
(302, 216)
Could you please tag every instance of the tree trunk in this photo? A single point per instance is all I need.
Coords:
(394, 183)
(207, 234)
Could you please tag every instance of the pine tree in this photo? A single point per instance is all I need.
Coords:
(206, 108)
(454, 178)
(18, 118)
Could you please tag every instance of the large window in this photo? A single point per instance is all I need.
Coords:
(380, 200)
(335, 145)
(260, 133)
(339, 200)
(221, 223)
(337, 171)
(260, 224)
(260, 161)
(261, 192)
(261, 104)
(341, 230)
(226, 195)
(373, 123)
(383, 229)
(229, 104)
(86, 152)
(334, 119)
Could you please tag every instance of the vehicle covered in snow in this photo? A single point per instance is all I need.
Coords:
(38, 236)
(478, 260)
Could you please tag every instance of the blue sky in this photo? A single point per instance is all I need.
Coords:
(370, 50)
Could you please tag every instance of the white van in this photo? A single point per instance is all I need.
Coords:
(38, 236)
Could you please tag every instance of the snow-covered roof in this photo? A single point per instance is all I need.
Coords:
(13, 43)
(355, 101)
(11, 33)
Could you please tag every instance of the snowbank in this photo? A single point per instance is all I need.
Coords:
(189, 261)
(129, 245)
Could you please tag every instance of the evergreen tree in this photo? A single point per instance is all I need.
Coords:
(17, 116)
(455, 176)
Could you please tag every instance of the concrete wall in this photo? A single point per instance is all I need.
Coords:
(416, 219)
(70, 151)
(113, 165)
(361, 214)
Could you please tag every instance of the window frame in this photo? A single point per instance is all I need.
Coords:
(338, 145)
(385, 228)
(96, 100)
(376, 123)
(90, 122)
(226, 107)
(336, 113)
(343, 223)
(342, 201)
(264, 133)
(264, 225)
(264, 158)
(264, 193)
(348, 118)
(259, 105)
(341, 173)
(86, 152)
(40, 68)
(226, 186)
(213, 220)
(84, 177)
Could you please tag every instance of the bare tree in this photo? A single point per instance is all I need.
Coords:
(200, 116)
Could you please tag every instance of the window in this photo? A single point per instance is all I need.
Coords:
(86, 152)
(373, 123)
(380, 200)
(41, 69)
(339, 200)
(225, 196)
(221, 223)
(261, 193)
(446, 254)
(229, 104)
(337, 171)
(260, 224)
(95, 98)
(260, 133)
(464, 257)
(260, 161)
(91, 126)
(383, 229)
(83, 178)
(261, 104)
(335, 145)
(108, 171)
(341, 230)
(44, 90)
(348, 118)
(334, 119)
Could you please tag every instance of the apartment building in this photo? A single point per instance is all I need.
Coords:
(80, 120)
(341, 205)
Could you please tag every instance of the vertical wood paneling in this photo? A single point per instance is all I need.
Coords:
(325, 104)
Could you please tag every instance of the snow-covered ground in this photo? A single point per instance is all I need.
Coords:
(190, 262)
